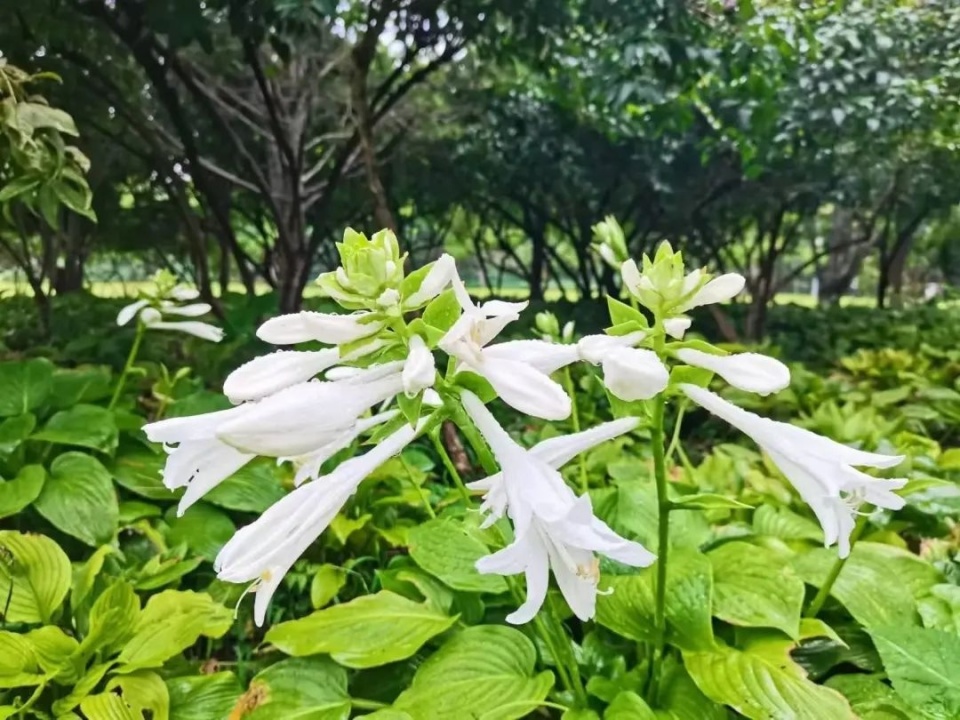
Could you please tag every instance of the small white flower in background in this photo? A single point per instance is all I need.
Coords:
(553, 528)
(821, 470)
(508, 367)
(168, 301)
(265, 550)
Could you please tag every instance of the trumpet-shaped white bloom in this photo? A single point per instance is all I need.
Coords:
(419, 370)
(300, 419)
(553, 528)
(821, 470)
(440, 274)
(268, 374)
(265, 550)
(518, 382)
(327, 328)
(198, 461)
(752, 372)
(718, 290)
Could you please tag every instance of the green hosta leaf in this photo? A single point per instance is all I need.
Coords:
(162, 570)
(634, 512)
(484, 671)
(80, 385)
(113, 619)
(144, 692)
(18, 493)
(679, 697)
(443, 311)
(762, 682)
(79, 499)
(108, 706)
(879, 585)
(85, 574)
(628, 706)
(343, 527)
(253, 488)
(369, 631)
(710, 501)
(203, 697)
(38, 572)
(133, 510)
(140, 473)
(870, 698)
(924, 666)
(171, 622)
(18, 662)
(301, 688)
(629, 609)
(83, 687)
(326, 583)
(779, 522)
(14, 430)
(202, 528)
(24, 386)
(941, 608)
(753, 587)
(446, 550)
(56, 653)
(88, 426)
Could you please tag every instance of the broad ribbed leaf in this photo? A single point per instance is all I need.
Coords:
(113, 619)
(753, 587)
(18, 662)
(18, 493)
(762, 682)
(24, 386)
(79, 499)
(870, 698)
(924, 666)
(202, 697)
(779, 522)
(88, 426)
(879, 585)
(145, 692)
(14, 430)
(485, 671)
(628, 706)
(253, 488)
(941, 608)
(202, 528)
(369, 631)
(139, 473)
(301, 689)
(446, 550)
(35, 572)
(108, 706)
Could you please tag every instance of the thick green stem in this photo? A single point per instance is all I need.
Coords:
(128, 365)
(663, 520)
(575, 421)
(816, 605)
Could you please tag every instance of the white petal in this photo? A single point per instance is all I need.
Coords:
(190, 427)
(718, 290)
(201, 466)
(271, 373)
(128, 312)
(328, 328)
(184, 293)
(526, 389)
(690, 282)
(204, 331)
(419, 371)
(752, 372)
(194, 310)
(547, 357)
(634, 374)
(300, 419)
(558, 451)
(593, 348)
(434, 282)
(676, 327)
(580, 592)
(631, 276)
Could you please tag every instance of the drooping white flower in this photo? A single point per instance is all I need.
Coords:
(268, 374)
(196, 459)
(129, 312)
(151, 313)
(752, 372)
(518, 382)
(153, 320)
(718, 290)
(327, 328)
(300, 419)
(419, 370)
(192, 310)
(265, 550)
(821, 470)
(553, 528)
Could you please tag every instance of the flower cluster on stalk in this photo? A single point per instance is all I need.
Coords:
(375, 377)
(168, 298)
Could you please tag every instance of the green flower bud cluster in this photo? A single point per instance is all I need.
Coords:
(370, 272)
(609, 242)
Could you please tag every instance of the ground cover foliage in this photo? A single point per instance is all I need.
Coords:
(112, 609)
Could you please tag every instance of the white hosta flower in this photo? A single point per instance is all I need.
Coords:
(265, 550)
(268, 374)
(300, 419)
(196, 460)
(327, 328)
(419, 370)
(634, 374)
(184, 293)
(129, 312)
(821, 470)
(676, 327)
(192, 310)
(440, 274)
(518, 382)
(752, 372)
(153, 320)
(553, 528)
(718, 290)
